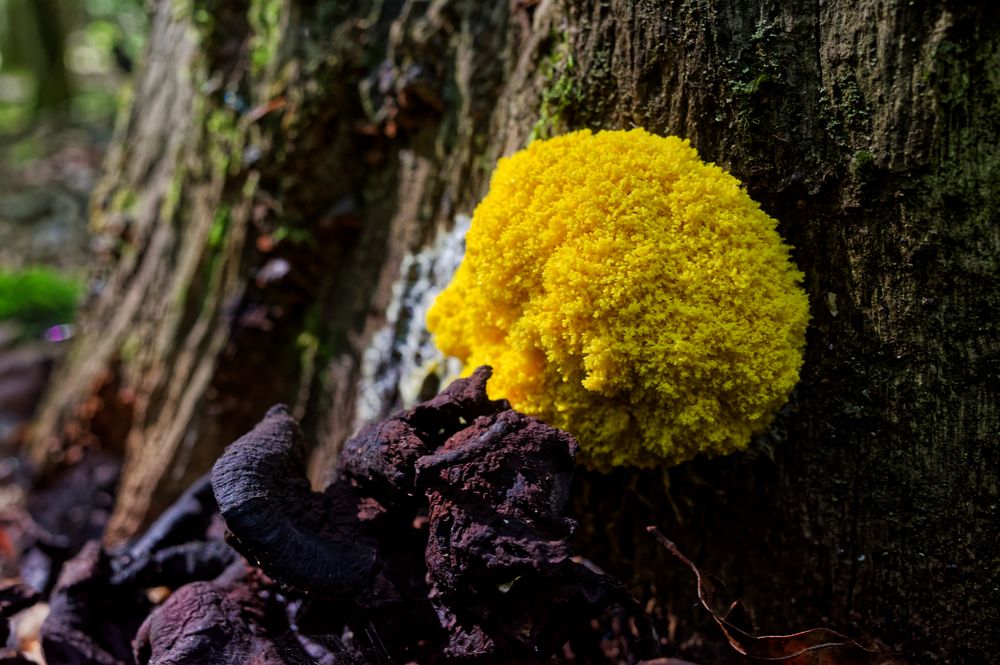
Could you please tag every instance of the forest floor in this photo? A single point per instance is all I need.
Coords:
(46, 177)
(443, 540)
(47, 174)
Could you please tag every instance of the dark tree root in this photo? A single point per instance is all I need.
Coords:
(443, 541)
(189, 518)
(176, 565)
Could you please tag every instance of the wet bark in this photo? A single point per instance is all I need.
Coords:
(287, 171)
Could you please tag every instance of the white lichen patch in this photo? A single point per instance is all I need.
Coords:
(401, 357)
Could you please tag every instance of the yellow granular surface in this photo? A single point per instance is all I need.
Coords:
(627, 292)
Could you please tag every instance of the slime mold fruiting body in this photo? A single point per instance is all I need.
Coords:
(630, 293)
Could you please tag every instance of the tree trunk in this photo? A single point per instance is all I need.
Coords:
(290, 187)
(33, 40)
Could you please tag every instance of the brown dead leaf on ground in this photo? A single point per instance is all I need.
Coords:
(818, 646)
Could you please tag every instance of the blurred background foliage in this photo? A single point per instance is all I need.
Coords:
(65, 59)
(65, 68)
(37, 297)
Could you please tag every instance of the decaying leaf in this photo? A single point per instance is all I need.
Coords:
(818, 646)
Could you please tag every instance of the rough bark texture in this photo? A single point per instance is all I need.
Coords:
(284, 163)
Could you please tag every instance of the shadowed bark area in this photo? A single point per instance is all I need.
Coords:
(282, 160)
(871, 134)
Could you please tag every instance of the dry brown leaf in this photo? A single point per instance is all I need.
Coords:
(819, 646)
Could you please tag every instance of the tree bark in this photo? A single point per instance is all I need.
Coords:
(282, 200)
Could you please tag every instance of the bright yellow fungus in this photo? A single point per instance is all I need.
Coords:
(628, 292)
